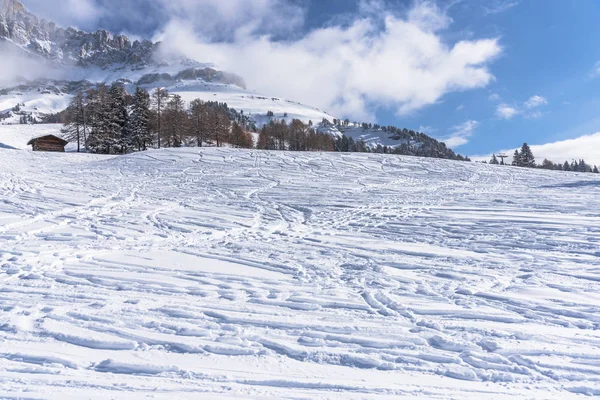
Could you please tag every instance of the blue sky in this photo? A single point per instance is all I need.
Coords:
(493, 73)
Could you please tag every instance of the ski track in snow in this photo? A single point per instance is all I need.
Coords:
(220, 273)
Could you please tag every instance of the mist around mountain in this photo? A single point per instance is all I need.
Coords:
(47, 65)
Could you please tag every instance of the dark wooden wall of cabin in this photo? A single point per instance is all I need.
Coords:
(48, 145)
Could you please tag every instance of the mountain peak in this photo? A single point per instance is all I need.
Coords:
(70, 46)
(11, 8)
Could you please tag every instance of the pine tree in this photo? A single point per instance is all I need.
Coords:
(517, 159)
(595, 170)
(140, 120)
(100, 138)
(574, 166)
(527, 159)
(547, 164)
(118, 136)
(494, 160)
(583, 167)
(566, 166)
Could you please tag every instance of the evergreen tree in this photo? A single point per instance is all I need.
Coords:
(101, 138)
(547, 164)
(118, 138)
(494, 160)
(583, 167)
(517, 159)
(566, 166)
(140, 136)
(595, 170)
(574, 166)
(526, 157)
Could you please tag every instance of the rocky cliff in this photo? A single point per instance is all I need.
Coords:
(69, 46)
(73, 47)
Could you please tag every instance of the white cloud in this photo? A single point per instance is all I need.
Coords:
(596, 70)
(505, 111)
(385, 60)
(494, 97)
(534, 115)
(426, 129)
(585, 147)
(460, 107)
(375, 58)
(461, 133)
(499, 6)
(535, 101)
(67, 12)
(210, 19)
(17, 66)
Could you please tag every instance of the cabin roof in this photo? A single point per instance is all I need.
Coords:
(62, 141)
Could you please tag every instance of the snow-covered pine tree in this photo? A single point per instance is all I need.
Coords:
(494, 160)
(139, 127)
(583, 167)
(517, 159)
(99, 112)
(547, 164)
(526, 157)
(117, 138)
(574, 166)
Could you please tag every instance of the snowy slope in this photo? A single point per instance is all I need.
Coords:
(37, 101)
(220, 273)
(248, 101)
(17, 136)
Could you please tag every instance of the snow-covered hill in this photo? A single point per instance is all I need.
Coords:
(220, 273)
(17, 136)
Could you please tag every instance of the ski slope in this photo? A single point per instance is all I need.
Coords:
(224, 274)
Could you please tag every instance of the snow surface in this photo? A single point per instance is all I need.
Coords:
(222, 273)
(17, 136)
(37, 101)
(250, 102)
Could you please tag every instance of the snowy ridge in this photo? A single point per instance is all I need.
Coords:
(242, 274)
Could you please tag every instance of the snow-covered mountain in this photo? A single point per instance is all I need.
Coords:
(75, 58)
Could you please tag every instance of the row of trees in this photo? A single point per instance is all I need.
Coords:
(109, 120)
(525, 158)
(409, 142)
(295, 136)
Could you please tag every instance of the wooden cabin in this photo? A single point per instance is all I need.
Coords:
(48, 143)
